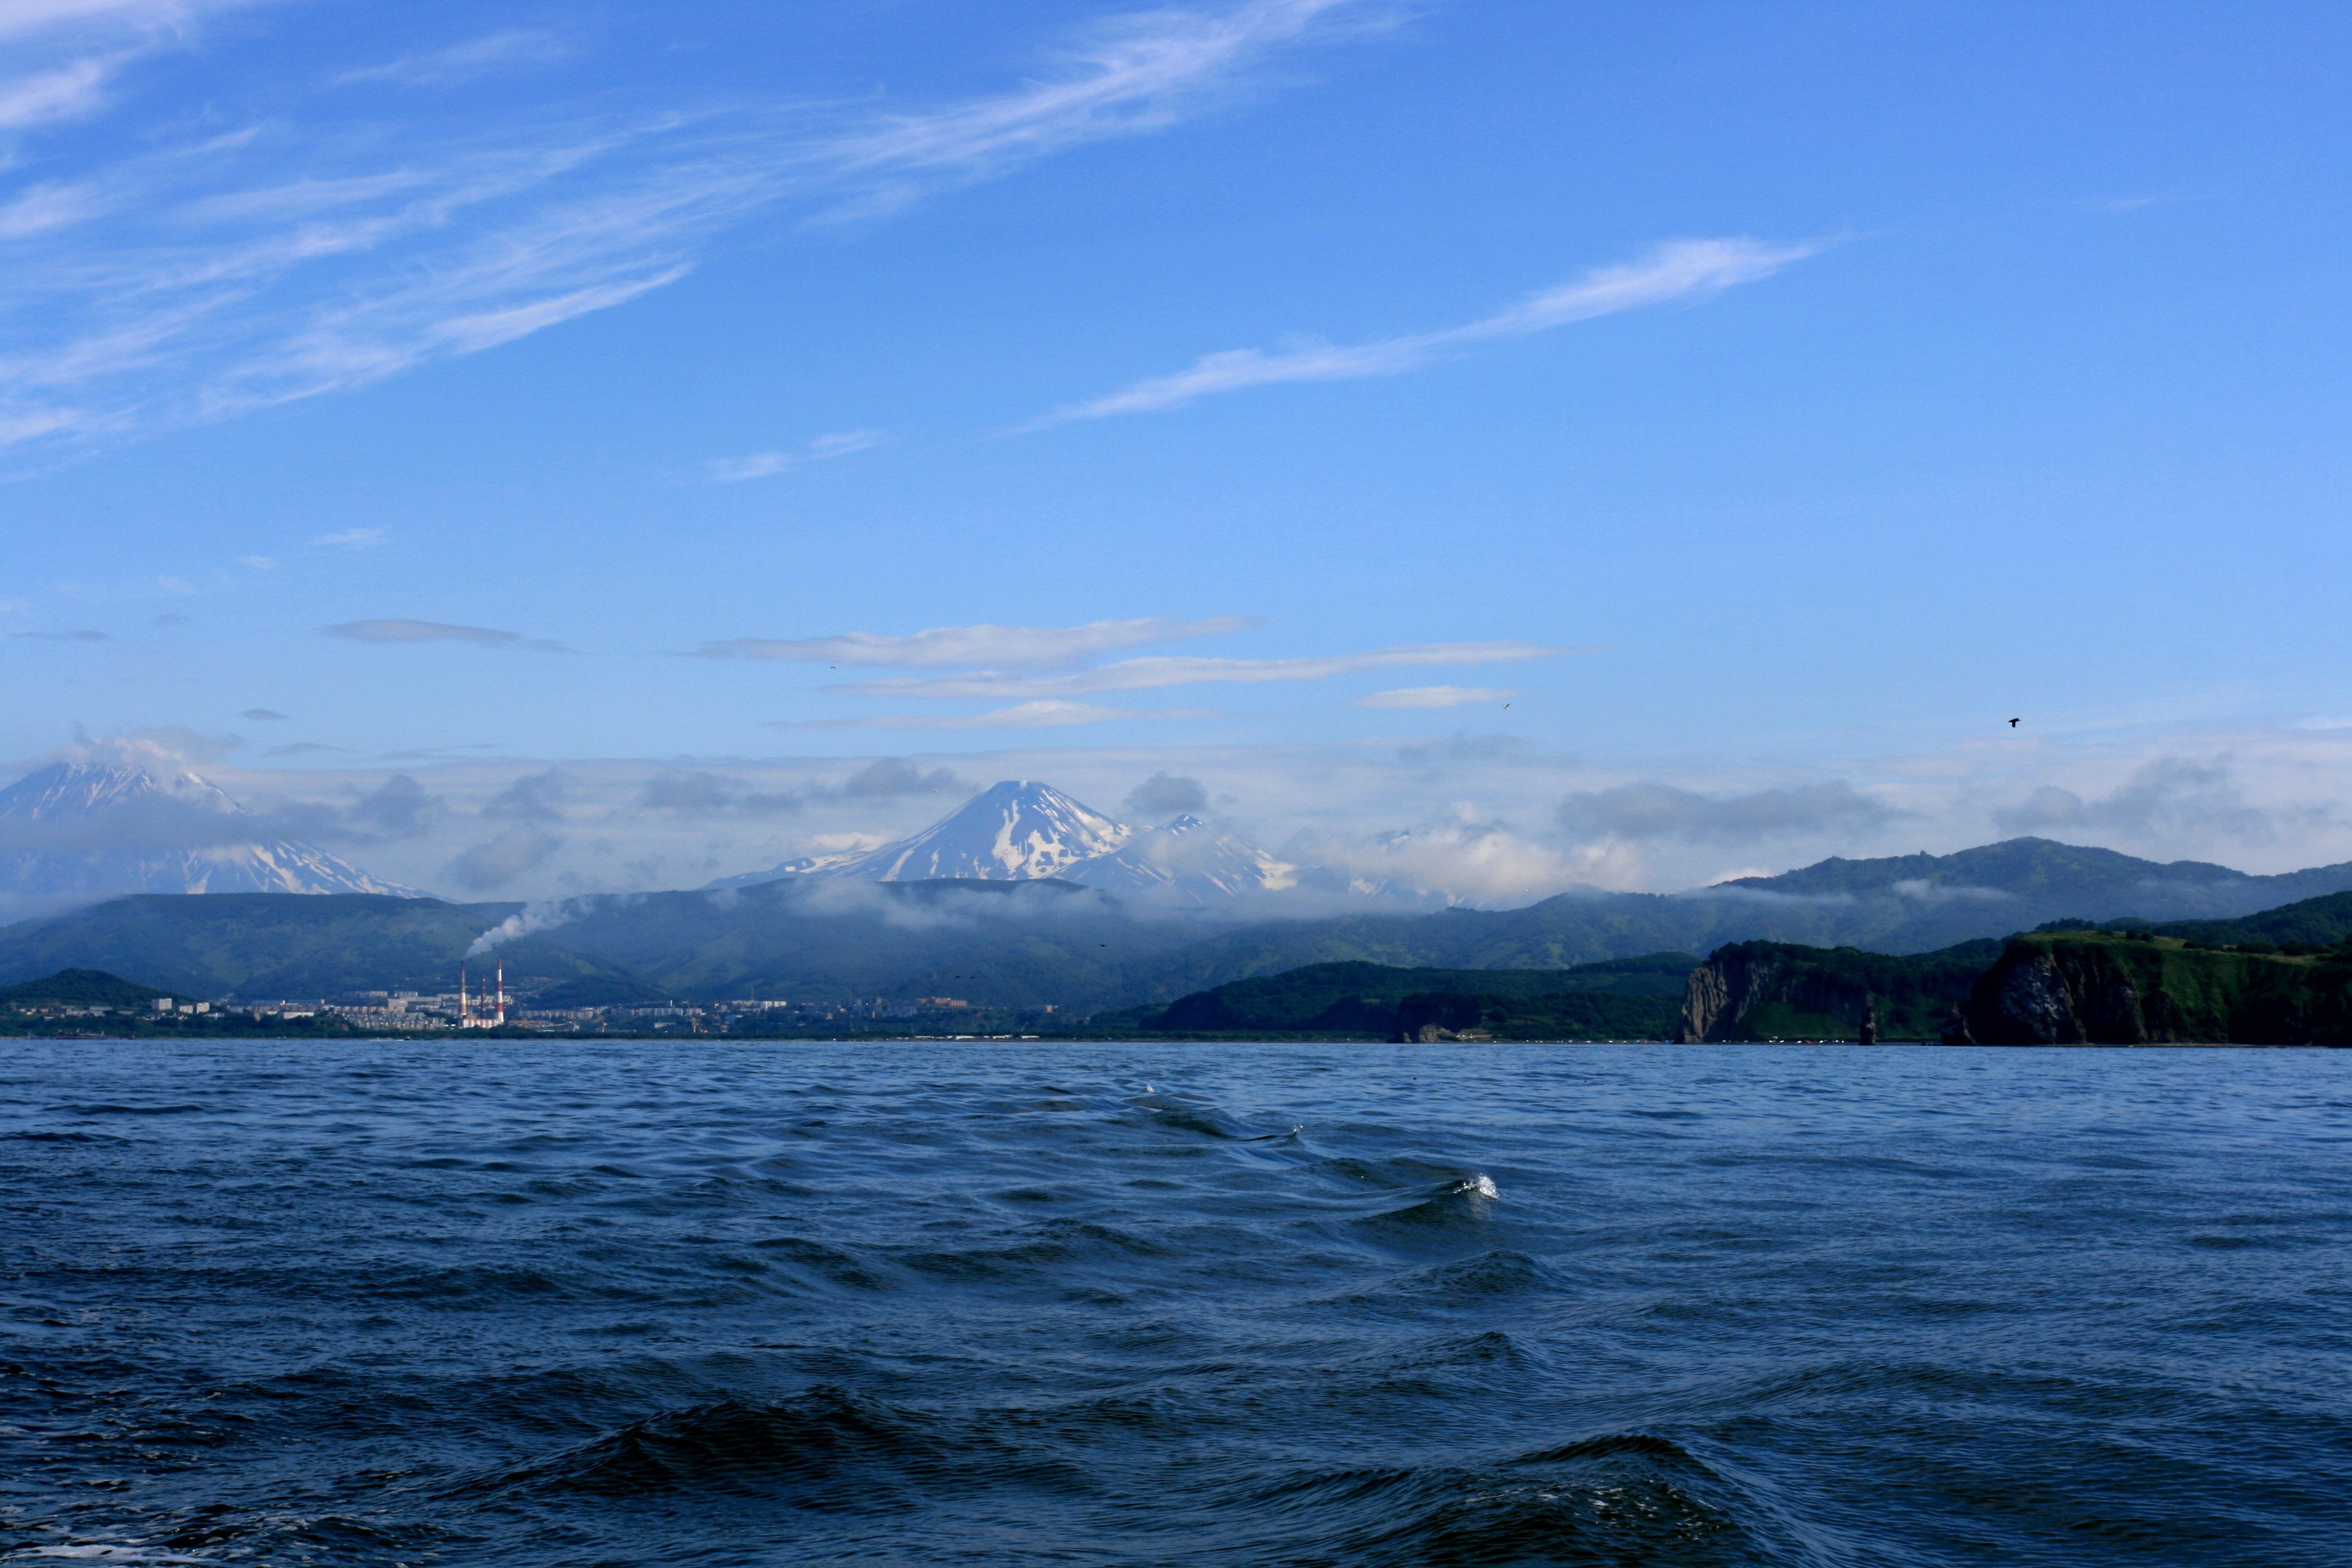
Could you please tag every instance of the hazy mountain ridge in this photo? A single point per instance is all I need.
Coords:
(1010, 943)
(2028, 869)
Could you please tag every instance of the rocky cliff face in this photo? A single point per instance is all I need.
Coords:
(1725, 993)
(2104, 988)
(2070, 994)
(1716, 993)
(2090, 988)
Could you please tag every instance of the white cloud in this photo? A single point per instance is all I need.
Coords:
(1679, 270)
(1652, 810)
(1434, 697)
(995, 648)
(1153, 673)
(1463, 853)
(2166, 801)
(760, 465)
(259, 563)
(351, 539)
(1043, 715)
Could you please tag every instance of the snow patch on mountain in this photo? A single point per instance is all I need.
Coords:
(1187, 863)
(81, 829)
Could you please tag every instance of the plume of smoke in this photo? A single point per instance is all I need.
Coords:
(536, 916)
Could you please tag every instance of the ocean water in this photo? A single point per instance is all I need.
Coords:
(667, 1303)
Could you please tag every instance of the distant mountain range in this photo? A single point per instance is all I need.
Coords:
(83, 830)
(1025, 943)
(1020, 830)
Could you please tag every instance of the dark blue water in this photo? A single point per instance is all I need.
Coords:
(670, 1303)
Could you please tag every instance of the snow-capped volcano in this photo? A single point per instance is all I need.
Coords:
(1012, 832)
(85, 830)
(1020, 831)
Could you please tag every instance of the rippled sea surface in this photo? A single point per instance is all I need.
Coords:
(529, 1303)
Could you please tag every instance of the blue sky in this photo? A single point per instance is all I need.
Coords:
(1756, 398)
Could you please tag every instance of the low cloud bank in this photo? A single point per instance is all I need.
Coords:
(494, 863)
(1164, 795)
(2171, 801)
(701, 793)
(1650, 810)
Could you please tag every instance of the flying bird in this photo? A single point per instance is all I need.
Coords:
(2012, 723)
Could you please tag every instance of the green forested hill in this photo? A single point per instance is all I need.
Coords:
(260, 945)
(2313, 922)
(78, 988)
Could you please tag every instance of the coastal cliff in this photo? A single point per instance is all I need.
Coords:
(2080, 986)
(2114, 988)
(1776, 991)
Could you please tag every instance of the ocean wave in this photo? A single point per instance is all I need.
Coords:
(1622, 1499)
(827, 1449)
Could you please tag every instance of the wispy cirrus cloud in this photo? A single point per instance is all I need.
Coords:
(1167, 671)
(760, 465)
(1434, 697)
(69, 90)
(349, 539)
(992, 647)
(18, 17)
(296, 255)
(402, 631)
(467, 60)
(63, 53)
(1683, 269)
(1040, 715)
(39, 208)
(1129, 76)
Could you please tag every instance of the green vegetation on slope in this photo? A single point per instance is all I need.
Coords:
(2313, 923)
(1357, 998)
(258, 944)
(1572, 1016)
